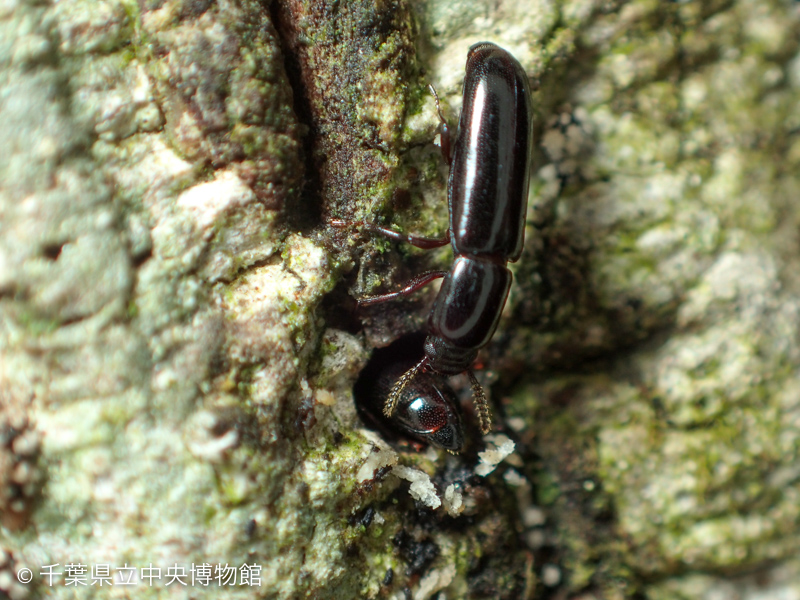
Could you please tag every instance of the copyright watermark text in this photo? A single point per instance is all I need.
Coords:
(204, 574)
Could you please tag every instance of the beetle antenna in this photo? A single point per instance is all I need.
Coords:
(481, 404)
(400, 385)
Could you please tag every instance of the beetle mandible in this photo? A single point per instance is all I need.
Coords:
(487, 195)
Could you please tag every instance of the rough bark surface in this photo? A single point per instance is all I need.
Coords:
(177, 340)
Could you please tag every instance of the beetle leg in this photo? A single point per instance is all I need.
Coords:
(444, 129)
(416, 283)
(420, 241)
(400, 385)
(481, 404)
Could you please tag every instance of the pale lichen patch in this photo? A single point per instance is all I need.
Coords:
(453, 500)
(434, 581)
(206, 202)
(499, 448)
(422, 488)
(377, 458)
(204, 443)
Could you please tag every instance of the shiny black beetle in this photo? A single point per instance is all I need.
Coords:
(487, 197)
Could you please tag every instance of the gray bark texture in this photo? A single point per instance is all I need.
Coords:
(178, 339)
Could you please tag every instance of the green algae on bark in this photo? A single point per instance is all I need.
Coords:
(683, 416)
(164, 269)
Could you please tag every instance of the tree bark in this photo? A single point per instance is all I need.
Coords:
(178, 343)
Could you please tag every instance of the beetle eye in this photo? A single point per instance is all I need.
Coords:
(431, 417)
(448, 437)
(424, 415)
